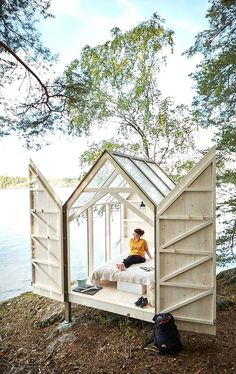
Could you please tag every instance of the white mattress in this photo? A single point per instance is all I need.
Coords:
(134, 274)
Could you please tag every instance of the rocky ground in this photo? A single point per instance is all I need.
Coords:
(34, 339)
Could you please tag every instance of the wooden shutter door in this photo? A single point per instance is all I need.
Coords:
(46, 237)
(185, 261)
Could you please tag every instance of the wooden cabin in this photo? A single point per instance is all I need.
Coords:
(179, 225)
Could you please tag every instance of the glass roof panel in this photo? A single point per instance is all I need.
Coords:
(162, 175)
(117, 181)
(83, 199)
(140, 178)
(153, 176)
(104, 199)
(102, 175)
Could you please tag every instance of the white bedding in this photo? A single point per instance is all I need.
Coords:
(134, 274)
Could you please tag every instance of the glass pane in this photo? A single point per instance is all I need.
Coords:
(99, 236)
(115, 230)
(104, 199)
(78, 250)
(117, 181)
(153, 176)
(102, 175)
(84, 198)
(162, 175)
(140, 179)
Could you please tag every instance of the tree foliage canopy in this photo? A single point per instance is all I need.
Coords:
(25, 66)
(19, 34)
(215, 105)
(216, 74)
(123, 76)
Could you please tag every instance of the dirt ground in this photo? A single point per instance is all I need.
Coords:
(34, 339)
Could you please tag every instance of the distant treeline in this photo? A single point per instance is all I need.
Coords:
(64, 182)
(10, 182)
(7, 182)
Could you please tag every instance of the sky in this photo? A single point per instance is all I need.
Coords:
(88, 22)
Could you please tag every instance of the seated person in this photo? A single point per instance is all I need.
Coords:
(138, 247)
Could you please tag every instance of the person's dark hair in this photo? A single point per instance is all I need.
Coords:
(139, 232)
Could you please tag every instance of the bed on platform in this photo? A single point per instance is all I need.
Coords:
(138, 278)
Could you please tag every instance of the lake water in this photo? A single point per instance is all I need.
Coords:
(15, 252)
(15, 268)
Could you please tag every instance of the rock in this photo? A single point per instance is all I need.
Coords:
(15, 370)
(60, 328)
(223, 303)
(228, 276)
(53, 335)
(65, 325)
(67, 338)
(51, 317)
(50, 349)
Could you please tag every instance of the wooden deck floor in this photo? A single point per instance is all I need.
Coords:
(113, 300)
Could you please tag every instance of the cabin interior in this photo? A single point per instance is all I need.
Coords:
(125, 190)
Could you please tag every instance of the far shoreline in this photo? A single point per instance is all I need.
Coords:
(65, 182)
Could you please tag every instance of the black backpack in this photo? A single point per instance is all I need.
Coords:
(166, 336)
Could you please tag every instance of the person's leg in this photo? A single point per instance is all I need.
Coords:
(138, 259)
(128, 261)
(133, 259)
(121, 266)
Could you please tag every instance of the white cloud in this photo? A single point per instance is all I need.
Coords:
(97, 28)
(174, 78)
(130, 16)
(13, 159)
(60, 159)
(64, 8)
(204, 138)
(185, 25)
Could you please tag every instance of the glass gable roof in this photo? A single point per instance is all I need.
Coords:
(162, 187)
(145, 173)
(162, 175)
(140, 178)
(102, 175)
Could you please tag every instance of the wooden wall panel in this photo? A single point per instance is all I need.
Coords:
(186, 249)
(202, 305)
(200, 275)
(192, 204)
(200, 240)
(46, 237)
(172, 264)
(204, 180)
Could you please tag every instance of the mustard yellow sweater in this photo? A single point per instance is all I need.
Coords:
(138, 247)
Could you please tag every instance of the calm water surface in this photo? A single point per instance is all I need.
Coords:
(15, 268)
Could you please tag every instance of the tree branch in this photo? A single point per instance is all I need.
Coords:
(137, 129)
(9, 50)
